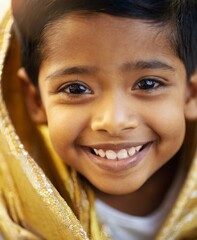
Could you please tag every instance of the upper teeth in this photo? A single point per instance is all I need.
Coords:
(121, 154)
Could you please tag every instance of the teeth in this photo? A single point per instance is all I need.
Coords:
(132, 151)
(122, 154)
(96, 151)
(101, 153)
(111, 155)
(137, 149)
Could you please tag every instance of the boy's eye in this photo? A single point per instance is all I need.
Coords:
(149, 84)
(75, 88)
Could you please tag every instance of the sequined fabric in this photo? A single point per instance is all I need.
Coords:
(40, 198)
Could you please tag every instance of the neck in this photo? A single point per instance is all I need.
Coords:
(146, 199)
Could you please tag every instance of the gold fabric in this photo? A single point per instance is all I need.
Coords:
(41, 198)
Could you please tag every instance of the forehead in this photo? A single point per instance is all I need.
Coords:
(75, 29)
(107, 43)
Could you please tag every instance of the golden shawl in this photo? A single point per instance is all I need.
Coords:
(40, 198)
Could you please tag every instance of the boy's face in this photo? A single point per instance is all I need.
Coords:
(114, 85)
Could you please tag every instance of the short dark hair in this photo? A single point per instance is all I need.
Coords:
(31, 17)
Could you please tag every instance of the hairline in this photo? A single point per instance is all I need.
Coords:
(171, 38)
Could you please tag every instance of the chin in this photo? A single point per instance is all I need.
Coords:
(118, 189)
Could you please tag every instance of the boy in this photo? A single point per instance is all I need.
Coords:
(115, 82)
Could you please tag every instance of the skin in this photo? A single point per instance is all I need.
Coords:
(111, 63)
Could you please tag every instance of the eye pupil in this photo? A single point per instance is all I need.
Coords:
(77, 89)
(146, 84)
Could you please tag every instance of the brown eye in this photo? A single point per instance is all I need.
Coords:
(149, 84)
(75, 88)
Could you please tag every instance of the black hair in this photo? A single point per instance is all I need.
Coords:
(31, 17)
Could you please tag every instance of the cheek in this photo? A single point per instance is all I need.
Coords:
(169, 124)
(65, 125)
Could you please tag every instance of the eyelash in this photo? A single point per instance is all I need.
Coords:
(78, 88)
(74, 87)
(148, 84)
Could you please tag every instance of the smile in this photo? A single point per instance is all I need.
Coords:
(117, 155)
(117, 158)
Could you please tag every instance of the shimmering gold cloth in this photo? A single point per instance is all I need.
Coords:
(40, 198)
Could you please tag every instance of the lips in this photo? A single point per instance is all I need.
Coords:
(117, 158)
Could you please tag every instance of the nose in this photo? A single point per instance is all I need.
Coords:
(115, 115)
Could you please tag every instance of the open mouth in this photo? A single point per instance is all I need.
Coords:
(118, 158)
(117, 154)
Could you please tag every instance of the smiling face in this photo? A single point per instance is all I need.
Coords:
(114, 94)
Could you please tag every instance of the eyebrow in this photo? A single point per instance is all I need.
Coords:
(73, 70)
(142, 65)
(128, 66)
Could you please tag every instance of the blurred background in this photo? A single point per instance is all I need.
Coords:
(4, 4)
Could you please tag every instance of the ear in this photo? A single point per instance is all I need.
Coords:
(34, 104)
(191, 101)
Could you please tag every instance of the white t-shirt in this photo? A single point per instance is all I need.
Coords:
(122, 226)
